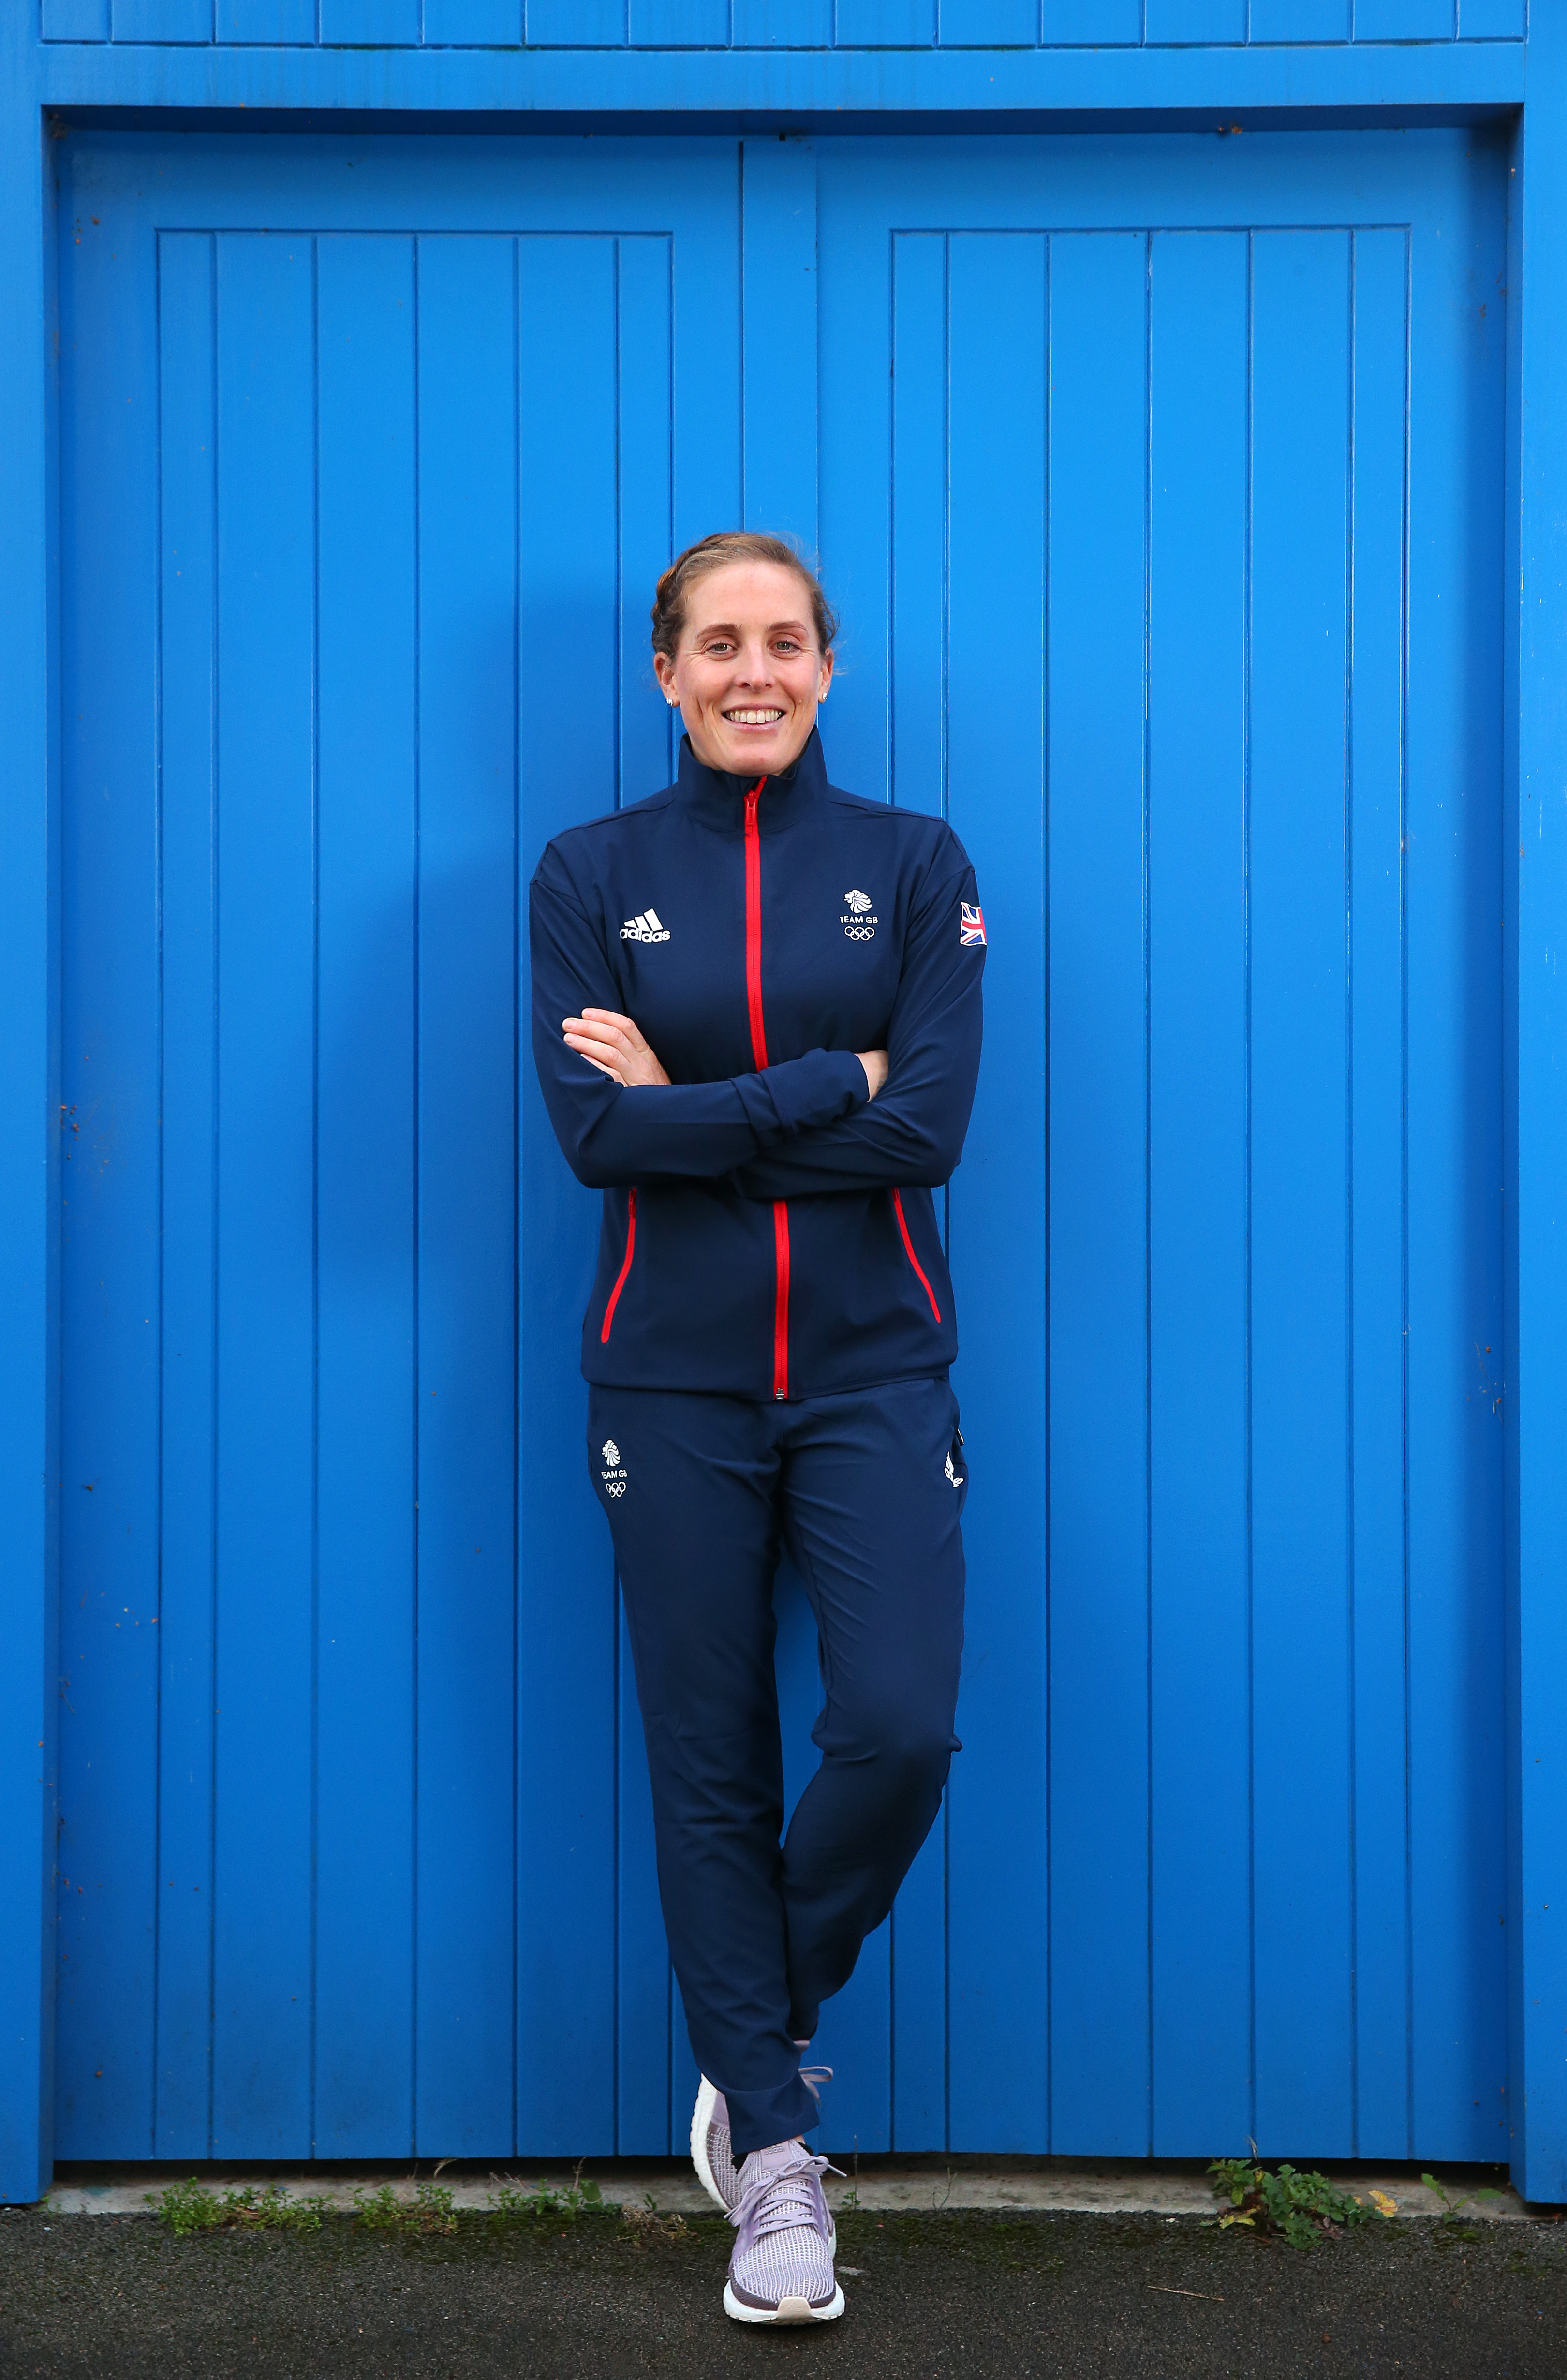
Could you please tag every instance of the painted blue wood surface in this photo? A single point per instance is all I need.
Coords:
(387, 479)
(32, 1129)
(1535, 1141)
(1097, 1291)
(1198, 1623)
(793, 24)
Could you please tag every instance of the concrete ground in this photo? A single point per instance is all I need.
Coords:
(990, 2290)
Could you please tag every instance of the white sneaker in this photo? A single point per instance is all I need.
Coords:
(782, 2266)
(713, 2151)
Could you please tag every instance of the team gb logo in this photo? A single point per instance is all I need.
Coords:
(856, 921)
(615, 1478)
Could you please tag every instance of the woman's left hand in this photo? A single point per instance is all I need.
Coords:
(613, 1045)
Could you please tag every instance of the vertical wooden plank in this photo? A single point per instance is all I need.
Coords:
(1301, 20)
(104, 1676)
(1454, 1031)
(1000, 2056)
(481, 22)
(988, 24)
(919, 721)
(644, 2125)
(1098, 1586)
(360, 22)
(266, 1224)
(1103, 24)
(1299, 1201)
(161, 20)
(778, 233)
(1200, 1832)
(466, 1428)
(646, 385)
(1492, 20)
(1535, 1016)
(1193, 20)
(709, 427)
(576, 24)
(188, 768)
(678, 24)
(76, 20)
(886, 24)
(30, 1093)
(266, 20)
(854, 446)
(569, 627)
(919, 522)
(1376, 1126)
(780, 24)
(365, 1198)
(1405, 20)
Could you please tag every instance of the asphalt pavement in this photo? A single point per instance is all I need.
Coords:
(604, 2298)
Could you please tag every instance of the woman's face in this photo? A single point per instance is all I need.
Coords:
(748, 676)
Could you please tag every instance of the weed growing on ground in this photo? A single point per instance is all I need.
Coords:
(648, 2226)
(542, 2203)
(1452, 2208)
(1299, 2208)
(189, 2206)
(429, 2209)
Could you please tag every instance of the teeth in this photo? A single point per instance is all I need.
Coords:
(753, 717)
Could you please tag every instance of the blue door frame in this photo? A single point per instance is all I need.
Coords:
(82, 58)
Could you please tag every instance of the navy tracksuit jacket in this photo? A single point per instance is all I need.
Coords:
(767, 1344)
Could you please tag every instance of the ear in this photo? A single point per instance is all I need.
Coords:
(825, 680)
(664, 669)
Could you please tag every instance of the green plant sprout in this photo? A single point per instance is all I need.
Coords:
(1299, 2208)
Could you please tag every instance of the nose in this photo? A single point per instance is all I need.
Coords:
(754, 666)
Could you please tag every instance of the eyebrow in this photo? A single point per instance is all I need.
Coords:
(730, 627)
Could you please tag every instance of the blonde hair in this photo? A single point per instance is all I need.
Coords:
(710, 554)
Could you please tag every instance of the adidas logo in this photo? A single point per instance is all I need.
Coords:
(644, 927)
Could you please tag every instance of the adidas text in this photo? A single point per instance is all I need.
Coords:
(644, 927)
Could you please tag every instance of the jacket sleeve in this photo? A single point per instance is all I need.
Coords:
(912, 1133)
(612, 1134)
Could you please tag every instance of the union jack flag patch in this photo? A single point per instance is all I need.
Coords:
(973, 927)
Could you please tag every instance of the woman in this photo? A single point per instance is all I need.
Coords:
(756, 1005)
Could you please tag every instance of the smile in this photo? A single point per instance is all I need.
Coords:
(753, 717)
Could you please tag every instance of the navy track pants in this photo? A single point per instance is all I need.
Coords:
(866, 1490)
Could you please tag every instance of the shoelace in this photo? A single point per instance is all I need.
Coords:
(782, 2202)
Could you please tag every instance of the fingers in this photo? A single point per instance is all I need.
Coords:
(598, 1047)
(612, 1043)
(611, 1025)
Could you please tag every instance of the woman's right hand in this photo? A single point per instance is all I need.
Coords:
(875, 1064)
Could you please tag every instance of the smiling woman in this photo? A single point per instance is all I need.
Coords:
(768, 1065)
(746, 687)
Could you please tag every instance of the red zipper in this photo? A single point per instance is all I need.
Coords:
(624, 1269)
(908, 1250)
(759, 1053)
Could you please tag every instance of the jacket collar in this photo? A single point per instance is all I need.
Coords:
(717, 800)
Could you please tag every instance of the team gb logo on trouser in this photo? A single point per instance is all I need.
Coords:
(615, 1478)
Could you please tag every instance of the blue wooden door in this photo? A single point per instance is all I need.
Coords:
(1158, 482)
(372, 458)
(1162, 486)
